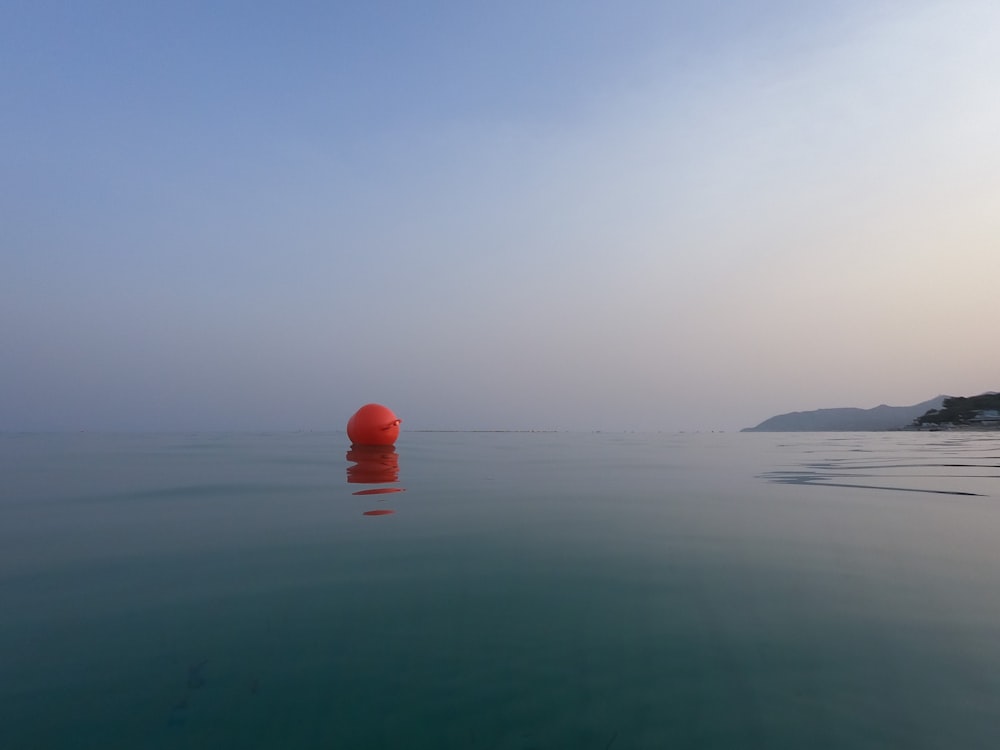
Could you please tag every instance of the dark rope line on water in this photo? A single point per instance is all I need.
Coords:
(821, 482)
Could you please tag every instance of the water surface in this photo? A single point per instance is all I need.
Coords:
(527, 590)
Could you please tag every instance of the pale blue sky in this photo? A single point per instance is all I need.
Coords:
(573, 215)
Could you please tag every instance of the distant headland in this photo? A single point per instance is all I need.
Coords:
(941, 412)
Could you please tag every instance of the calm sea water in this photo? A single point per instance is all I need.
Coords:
(527, 591)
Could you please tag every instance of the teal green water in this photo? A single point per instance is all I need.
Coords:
(529, 591)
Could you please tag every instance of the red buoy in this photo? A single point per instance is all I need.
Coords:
(373, 424)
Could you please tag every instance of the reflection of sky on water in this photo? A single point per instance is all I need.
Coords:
(374, 464)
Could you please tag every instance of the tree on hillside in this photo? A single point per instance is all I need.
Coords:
(959, 409)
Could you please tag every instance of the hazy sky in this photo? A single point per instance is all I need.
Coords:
(548, 214)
